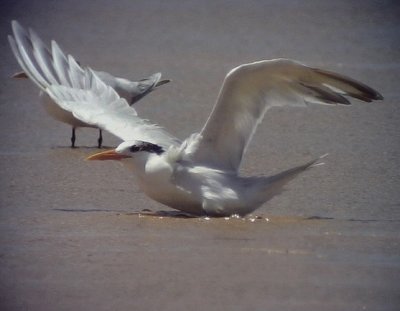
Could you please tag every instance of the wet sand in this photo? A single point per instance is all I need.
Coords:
(72, 233)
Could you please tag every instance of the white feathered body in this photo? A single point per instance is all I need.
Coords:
(196, 190)
(201, 190)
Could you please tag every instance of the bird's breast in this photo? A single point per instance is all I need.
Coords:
(158, 182)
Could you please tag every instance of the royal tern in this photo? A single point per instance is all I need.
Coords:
(47, 67)
(200, 174)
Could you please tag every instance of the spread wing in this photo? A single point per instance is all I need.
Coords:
(98, 104)
(251, 89)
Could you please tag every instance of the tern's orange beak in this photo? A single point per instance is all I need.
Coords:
(107, 155)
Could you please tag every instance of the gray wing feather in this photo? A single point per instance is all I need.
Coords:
(251, 89)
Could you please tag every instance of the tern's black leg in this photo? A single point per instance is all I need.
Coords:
(73, 138)
(100, 140)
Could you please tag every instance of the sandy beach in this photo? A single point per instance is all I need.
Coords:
(73, 234)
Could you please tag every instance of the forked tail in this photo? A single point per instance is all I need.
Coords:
(275, 184)
(266, 187)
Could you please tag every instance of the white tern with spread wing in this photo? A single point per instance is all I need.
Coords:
(199, 175)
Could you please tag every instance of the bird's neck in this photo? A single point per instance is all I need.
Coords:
(145, 164)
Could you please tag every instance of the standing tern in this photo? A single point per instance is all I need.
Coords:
(200, 174)
(47, 67)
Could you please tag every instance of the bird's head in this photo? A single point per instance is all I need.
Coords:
(127, 149)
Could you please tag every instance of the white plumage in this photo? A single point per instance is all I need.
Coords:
(200, 175)
(47, 67)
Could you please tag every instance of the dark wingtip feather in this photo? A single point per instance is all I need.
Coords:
(360, 91)
(327, 95)
(20, 75)
(378, 96)
(162, 82)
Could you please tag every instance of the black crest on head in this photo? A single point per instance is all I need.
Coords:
(148, 147)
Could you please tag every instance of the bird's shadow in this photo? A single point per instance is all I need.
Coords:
(144, 212)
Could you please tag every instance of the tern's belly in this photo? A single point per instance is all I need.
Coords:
(173, 196)
(157, 180)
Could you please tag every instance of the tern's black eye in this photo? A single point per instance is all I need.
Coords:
(148, 147)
